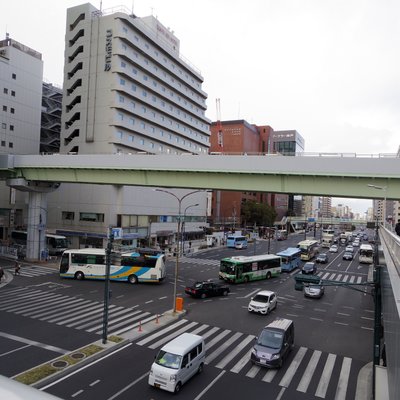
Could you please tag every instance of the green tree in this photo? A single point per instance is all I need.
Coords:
(261, 214)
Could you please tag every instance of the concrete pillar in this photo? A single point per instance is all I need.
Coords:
(37, 222)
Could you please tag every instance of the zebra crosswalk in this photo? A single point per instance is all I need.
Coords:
(72, 312)
(199, 261)
(307, 370)
(31, 271)
(341, 277)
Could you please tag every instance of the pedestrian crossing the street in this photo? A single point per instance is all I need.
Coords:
(324, 375)
(72, 312)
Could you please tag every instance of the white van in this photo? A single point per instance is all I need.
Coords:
(178, 361)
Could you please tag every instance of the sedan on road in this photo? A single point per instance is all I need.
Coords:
(333, 249)
(207, 289)
(348, 255)
(314, 291)
(322, 258)
(263, 302)
(309, 268)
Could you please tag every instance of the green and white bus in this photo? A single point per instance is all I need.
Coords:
(246, 269)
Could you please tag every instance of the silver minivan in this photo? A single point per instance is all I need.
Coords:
(177, 362)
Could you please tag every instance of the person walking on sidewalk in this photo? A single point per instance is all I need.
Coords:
(17, 268)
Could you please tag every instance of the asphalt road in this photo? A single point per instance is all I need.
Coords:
(43, 316)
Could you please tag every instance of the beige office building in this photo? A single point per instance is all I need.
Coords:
(127, 89)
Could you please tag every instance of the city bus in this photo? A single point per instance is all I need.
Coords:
(291, 259)
(55, 244)
(366, 254)
(138, 266)
(245, 269)
(309, 249)
(236, 242)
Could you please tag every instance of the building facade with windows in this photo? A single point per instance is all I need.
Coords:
(21, 76)
(241, 137)
(127, 89)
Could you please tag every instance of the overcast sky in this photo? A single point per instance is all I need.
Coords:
(326, 68)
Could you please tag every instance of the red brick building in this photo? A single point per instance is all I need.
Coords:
(237, 137)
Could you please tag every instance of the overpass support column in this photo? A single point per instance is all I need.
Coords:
(37, 221)
(37, 213)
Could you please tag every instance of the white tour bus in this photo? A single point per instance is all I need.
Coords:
(141, 265)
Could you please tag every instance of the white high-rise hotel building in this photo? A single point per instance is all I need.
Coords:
(126, 90)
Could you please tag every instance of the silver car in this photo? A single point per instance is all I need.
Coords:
(315, 291)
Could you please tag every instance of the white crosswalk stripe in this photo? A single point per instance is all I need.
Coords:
(31, 271)
(232, 350)
(340, 277)
(199, 261)
(72, 312)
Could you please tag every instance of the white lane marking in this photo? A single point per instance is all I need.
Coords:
(270, 375)
(326, 376)
(222, 364)
(87, 366)
(287, 378)
(241, 363)
(343, 379)
(13, 351)
(208, 387)
(129, 386)
(217, 338)
(159, 333)
(251, 293)
(77, 393)
(33, 343)
(222, 348)
(308, 373)
(95, 382)
(253, 371)
(172, 335)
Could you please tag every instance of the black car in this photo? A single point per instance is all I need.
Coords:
(347, 255)
(309, 268)
(207, 289)
(322, 258)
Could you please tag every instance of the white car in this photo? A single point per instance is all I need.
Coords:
(350, 249)
(263, 302)
(333, 249)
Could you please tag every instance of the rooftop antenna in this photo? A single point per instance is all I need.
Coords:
(133, 5)
(101, 5)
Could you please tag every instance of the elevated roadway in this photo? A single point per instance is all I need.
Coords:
(335, 176)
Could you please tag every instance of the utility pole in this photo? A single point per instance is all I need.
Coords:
(107, 285)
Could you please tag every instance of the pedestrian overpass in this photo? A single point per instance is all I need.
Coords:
(326, 175)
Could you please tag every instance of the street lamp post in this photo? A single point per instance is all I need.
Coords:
(184, 226)
(179, 199)
(384, 188)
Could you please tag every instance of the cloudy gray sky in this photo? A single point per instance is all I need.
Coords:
(328, 69)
